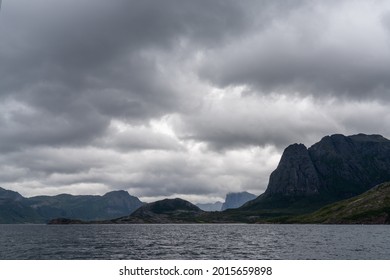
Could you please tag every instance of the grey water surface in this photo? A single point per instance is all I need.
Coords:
(206, 241)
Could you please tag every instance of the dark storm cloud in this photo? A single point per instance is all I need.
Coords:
(78, 64)
(321, 49)
(26, 129)
(167, 97)
(73, 42)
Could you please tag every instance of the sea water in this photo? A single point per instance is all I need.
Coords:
(194, 241)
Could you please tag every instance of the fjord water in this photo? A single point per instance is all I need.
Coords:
(291, 242)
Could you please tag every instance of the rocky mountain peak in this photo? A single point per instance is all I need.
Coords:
(338, 166)
(295, 174)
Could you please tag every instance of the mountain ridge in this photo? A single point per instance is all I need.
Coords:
(39, 209)
(335, 168)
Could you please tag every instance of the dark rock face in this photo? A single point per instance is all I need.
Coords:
(337, 167)
(235, 200)
(295, 174)
(348, 166)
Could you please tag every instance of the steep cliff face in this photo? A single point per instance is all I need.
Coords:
(295, 174)
(337, 167)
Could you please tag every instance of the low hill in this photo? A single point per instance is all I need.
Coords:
(164, 211)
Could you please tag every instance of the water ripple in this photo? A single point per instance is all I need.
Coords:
(194, 242)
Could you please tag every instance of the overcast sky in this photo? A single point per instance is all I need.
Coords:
(177, 98)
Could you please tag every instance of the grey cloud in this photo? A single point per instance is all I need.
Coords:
(138, 138)
(80, 64)
(181, 176)
(240, 122)
(236, 123)
(71, 69)
(313, 51)
(24, 127)
(68, 42)
(386, 22)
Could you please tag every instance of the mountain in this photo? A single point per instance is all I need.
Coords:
(336, 168)
(164, 211)
(7, 195)
(85, 207)
(235, 200)
(13, 209)
(216, 206)
(232, 200)
(39, 209)
(371, 207)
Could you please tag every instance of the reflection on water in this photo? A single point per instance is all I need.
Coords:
(194, 242)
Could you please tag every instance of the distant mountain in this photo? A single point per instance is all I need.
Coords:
(232, 200)
(235, 200)
(336, 168)
(85, 207)
(371, 207)
(164, 211)
(13, 209)
(7, 195)
(39, 209)
(216, 206)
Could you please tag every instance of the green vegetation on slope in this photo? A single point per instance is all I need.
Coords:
(371, 207)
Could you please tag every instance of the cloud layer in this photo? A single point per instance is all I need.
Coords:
(182, 98)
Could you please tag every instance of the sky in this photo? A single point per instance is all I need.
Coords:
(182, 98)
